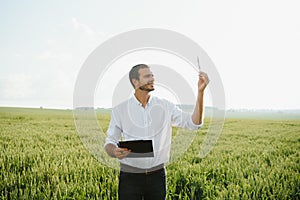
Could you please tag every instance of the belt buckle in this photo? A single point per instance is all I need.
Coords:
(150, 171)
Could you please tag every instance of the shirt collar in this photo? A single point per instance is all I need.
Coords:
(135, 100)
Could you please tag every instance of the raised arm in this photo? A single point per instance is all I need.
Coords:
(203, 81)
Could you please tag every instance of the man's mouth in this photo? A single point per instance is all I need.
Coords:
(145, 87)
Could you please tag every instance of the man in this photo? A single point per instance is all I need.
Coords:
(145, 117)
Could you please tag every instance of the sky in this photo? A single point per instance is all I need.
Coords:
(255, 46)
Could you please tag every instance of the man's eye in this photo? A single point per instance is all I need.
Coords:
(150, 75)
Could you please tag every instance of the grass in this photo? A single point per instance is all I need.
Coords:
(42, 157)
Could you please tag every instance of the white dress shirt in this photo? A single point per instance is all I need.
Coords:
(131, 121)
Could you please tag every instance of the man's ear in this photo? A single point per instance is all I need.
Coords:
(135, 83)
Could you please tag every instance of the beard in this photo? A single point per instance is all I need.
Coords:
(145, 88)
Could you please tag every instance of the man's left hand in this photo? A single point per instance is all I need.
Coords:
(203, 81)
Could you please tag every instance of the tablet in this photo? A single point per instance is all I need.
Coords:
(139, 148)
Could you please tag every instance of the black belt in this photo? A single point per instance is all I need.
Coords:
(130, 169)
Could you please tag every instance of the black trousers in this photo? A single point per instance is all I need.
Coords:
(142, 186)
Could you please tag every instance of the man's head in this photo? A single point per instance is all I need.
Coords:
(141, 77)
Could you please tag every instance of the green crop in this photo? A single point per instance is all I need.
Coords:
(42, 157)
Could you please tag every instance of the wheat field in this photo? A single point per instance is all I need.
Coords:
(42, 157)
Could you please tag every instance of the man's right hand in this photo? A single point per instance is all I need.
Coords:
(121, 153)
(116, 152)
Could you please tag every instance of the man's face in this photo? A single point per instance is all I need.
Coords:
(146, 82)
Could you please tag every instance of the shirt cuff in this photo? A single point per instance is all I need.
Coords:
(195, 126)
(110, 142)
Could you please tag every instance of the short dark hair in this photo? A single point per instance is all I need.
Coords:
(134, 72)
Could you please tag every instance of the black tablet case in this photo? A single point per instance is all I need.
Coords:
(139, 148)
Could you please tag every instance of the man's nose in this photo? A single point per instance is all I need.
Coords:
(152, 79)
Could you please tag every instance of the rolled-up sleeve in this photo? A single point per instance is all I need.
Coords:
(182, 119)
(114, 130)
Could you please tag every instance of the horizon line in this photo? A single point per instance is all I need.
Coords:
(207, 107)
